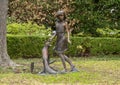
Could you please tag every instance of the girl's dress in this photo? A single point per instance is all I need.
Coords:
(61, 42)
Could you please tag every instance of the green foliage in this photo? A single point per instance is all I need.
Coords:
(31, 46)
(27, 29)
(10, 20)
(93, 15)
(25, 46)
(96, 45)
(83, 15)
(106, 32)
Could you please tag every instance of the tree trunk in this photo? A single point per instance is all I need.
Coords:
(4, 57)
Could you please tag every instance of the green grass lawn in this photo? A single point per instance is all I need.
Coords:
(98, 70)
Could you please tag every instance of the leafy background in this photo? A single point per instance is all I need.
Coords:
(86, 16)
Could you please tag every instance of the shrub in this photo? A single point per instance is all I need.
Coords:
(27, 29)
(83, 15)
(25, 46)
(107, 32)
(31, 46)
(97, 45)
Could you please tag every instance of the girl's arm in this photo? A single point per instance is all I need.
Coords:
(68, 32)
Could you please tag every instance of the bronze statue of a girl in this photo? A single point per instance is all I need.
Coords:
(62, 41)
(61, 45)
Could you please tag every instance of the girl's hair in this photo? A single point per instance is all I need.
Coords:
(61, 13)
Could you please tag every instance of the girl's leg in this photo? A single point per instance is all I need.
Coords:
(69, 61)
(71, 64)
(63, 61)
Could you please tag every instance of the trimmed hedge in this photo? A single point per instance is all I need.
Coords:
(97, 45)
(31, 46)
(25, 46)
